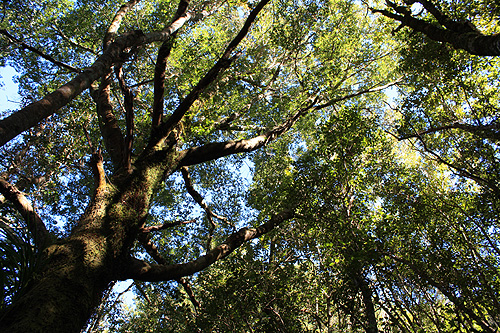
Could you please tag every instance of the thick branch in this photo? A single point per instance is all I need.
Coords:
(159, 80)
(35, 224)
(141, 270)
(37, 51)
(128, 98)
(160, 67)
(484, 130)
(222, 64)
(32, 114)
(116, 22)
(459, 35)
(108, 124)
(97, 165)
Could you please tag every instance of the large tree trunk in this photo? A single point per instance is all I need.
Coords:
(63, 296)
(76, 271)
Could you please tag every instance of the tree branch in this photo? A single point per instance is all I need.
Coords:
(47, 57)
(141, 270)
(34, 223)
(212, 151)
(160, 67)
(465, 127)
(165, 226)
(198, 198)
(35, 112)
(359, 93)
(152, 250)
(445, 289)
(116, 22)
(108, 124)
(128, 98)
(222, 64)
(66, 38)
(461, 171)
(215, 150)
(460, 35)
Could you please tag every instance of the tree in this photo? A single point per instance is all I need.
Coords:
(297, 87)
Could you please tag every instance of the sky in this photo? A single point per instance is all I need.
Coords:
(9, 99)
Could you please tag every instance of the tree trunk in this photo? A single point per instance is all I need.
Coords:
(76, 271)
(64, 295)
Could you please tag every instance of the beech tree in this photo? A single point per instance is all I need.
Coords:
(155, 139)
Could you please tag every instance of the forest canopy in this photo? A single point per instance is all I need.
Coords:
(251, 166)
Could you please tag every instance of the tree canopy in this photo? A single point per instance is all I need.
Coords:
(253, 166)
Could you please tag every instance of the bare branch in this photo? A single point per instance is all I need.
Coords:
(47, 57)
(141, 270)
(198, 198)
(34, 223)
(222, 64)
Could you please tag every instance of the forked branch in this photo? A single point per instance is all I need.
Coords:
(222, 64)
(116, 22)
(141, 270)
(35, 112)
